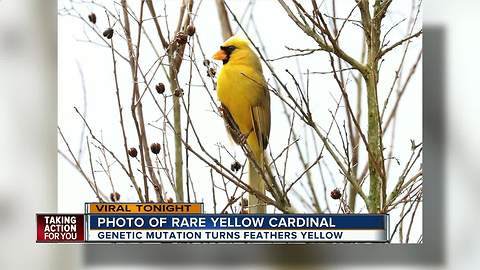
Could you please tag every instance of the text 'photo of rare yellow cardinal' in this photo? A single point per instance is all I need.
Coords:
(245, 106)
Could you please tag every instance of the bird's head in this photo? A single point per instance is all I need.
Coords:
(236, 50)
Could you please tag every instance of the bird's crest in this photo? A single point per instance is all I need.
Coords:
(236, 41)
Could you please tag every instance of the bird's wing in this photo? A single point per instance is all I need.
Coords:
(230, 124)
(261, 119)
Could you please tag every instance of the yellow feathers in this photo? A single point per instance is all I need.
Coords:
(245, 101)
(242, 90)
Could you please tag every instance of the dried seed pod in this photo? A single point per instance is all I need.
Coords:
(115, 196)
(243, 203)
(155, 147)
(335, 194)
(92, 18)
(181, 38)
(108, 33)
(191, 30)
(211, 72)
(132, 152)
(178, 92)
(160, 88)
(236, 166)
(206, 62)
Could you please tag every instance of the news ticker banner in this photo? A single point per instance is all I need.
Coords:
(185, 223)
(144, 208)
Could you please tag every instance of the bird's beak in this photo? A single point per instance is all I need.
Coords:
(220, 55)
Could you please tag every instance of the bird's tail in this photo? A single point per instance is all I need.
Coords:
(255, 177)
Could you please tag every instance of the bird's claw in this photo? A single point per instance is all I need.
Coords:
(221, 111)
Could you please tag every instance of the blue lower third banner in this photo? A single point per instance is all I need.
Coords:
(237, 228)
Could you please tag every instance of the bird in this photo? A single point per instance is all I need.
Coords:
(245, 107)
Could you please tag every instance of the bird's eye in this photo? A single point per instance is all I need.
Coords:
(228, 49)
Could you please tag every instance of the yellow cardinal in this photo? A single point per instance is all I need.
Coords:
(245, 105)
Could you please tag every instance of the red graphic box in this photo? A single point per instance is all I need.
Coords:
(60, 228)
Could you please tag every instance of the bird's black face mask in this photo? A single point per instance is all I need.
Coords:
(228, 51)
